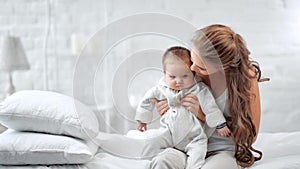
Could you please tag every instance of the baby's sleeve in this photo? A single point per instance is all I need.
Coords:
(214, 116)
(144, 111)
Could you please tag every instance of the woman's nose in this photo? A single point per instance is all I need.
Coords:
(193, 67)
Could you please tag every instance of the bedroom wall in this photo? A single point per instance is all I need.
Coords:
(270, 27)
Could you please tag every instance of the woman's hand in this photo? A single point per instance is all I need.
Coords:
(161, 106)
(191, 103)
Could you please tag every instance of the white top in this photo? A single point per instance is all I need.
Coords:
(215, 142)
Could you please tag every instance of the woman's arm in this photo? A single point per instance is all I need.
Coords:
(191, 103)
(255, 104)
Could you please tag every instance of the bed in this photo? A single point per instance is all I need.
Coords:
(281, 151)
(29, 115)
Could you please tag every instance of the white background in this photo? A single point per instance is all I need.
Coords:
(270, 28)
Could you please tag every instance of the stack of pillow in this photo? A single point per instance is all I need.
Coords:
(46, 128)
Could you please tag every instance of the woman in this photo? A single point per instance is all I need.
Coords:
(221, 59)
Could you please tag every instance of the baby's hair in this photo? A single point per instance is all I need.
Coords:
(177, 52)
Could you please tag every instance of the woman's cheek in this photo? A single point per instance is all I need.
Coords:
(203, 72)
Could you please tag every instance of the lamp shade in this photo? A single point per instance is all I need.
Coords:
(12, 55)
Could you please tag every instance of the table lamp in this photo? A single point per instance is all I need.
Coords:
(12, 57)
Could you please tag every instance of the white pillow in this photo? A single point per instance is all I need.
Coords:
(18, 148)
(49, 112)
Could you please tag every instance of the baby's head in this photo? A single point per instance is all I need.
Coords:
(176, 65)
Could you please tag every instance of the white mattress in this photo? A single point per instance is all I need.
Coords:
(281, 151)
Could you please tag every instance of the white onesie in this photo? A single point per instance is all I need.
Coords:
(180, 128)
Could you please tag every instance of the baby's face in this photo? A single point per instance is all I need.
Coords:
(178, 75)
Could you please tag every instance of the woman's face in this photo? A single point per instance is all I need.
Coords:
(198, 65)
(200, 68)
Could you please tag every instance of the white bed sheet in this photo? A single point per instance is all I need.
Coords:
(104, 160)
(280, 151)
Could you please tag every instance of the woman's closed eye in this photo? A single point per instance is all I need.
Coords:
(201, 68)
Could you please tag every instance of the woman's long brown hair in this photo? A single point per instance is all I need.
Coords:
(218, 43)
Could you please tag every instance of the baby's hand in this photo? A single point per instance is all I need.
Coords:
(142, 126)
(224, 132)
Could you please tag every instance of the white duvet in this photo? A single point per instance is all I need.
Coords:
(281, 151)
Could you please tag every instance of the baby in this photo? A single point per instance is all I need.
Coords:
(185, 130)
